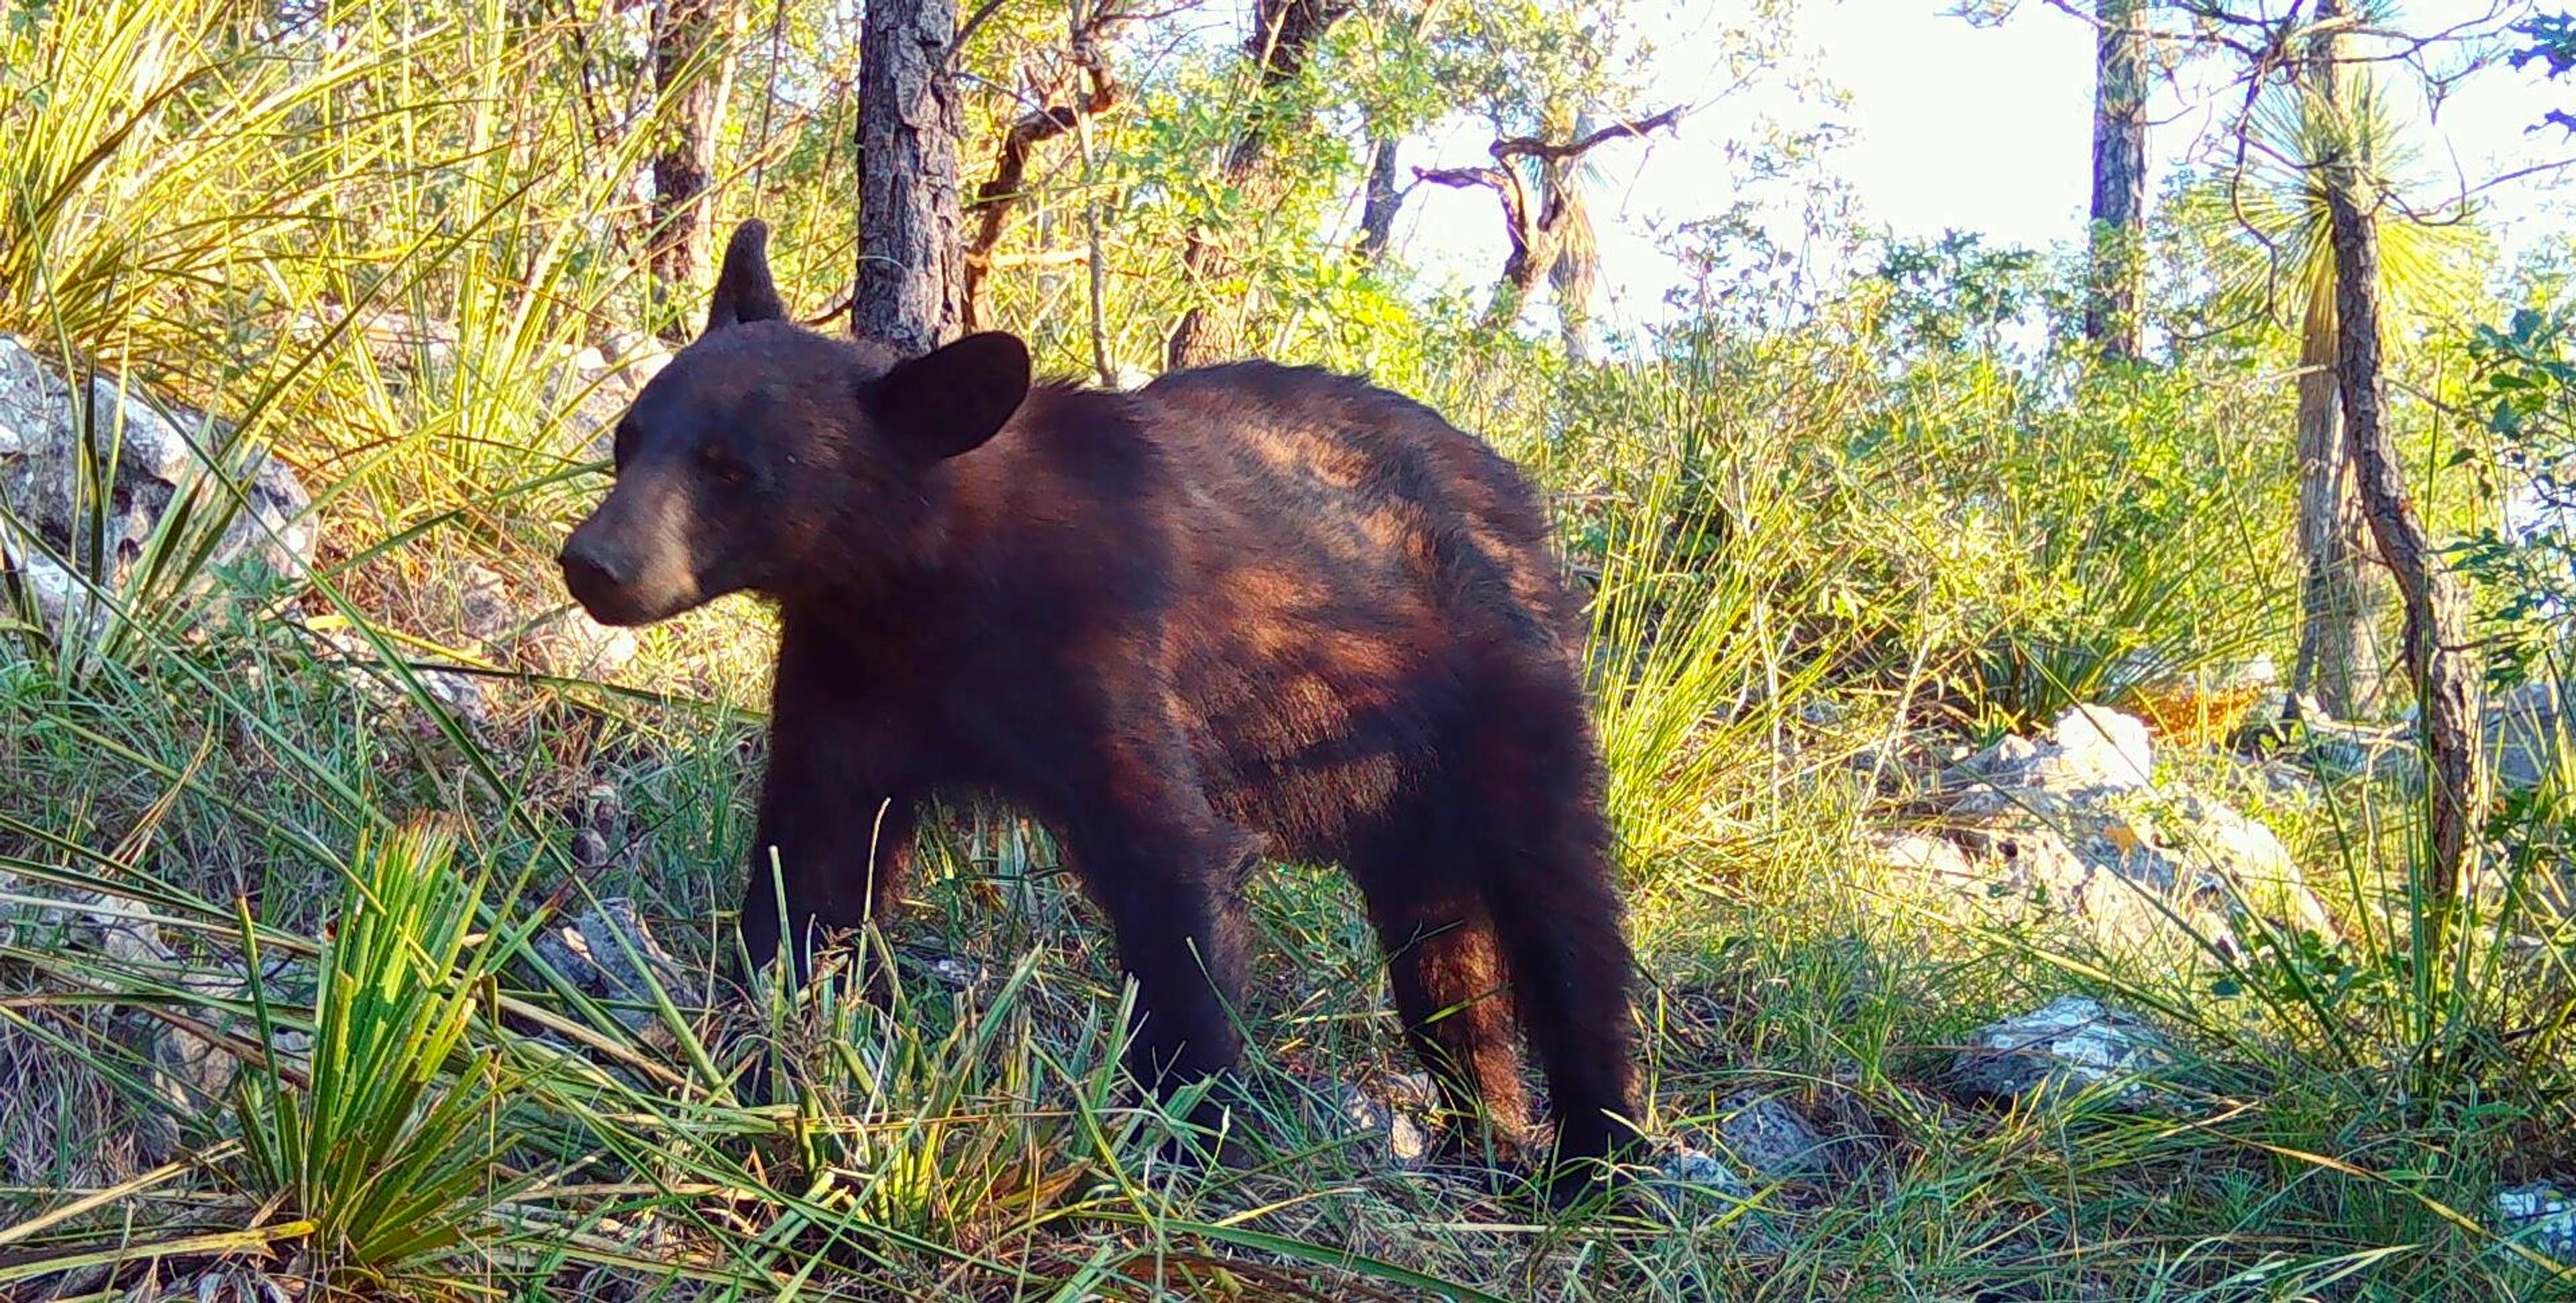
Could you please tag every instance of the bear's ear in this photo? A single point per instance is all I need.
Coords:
(955, 398)
(744, 291)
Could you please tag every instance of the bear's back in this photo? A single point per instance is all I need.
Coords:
(1351, 569)
(1364, 485)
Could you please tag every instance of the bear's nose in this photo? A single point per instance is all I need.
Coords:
(587, 568)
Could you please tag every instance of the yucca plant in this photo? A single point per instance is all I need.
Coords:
(125, 127)
(2270, 227)
(1693, 622)
(386, 1135)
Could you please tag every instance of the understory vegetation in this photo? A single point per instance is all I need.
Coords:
(293, 868)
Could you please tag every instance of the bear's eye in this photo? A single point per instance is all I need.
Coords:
(723, 467)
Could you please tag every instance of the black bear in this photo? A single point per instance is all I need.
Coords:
(1247, 609)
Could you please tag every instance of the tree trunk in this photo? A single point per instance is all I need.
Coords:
(1540, 249)
(1384, 200)
(2437, 645)
(2339, 657)
(910, 290)
(2119, 178)
(1284, 35)
(686, 34)
(1553, 234)
(1577, 254)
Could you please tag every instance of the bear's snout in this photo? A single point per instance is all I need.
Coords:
(590, 571)
(623, 574)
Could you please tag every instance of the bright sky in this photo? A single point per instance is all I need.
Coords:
(1953, 126)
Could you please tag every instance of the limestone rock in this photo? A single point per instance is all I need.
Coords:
(598, 384)
(607, 953)
(2541, 1216)
(159, 454)
(1684, 1165)
(2071, 831)
(2071, 1043)
(2529, 733)
(1775, 1141)
(1393, 1113)
(462, 695)
(567, 643)
(2091, 752)
(485, 611)
(60, 918)
(196, 1072)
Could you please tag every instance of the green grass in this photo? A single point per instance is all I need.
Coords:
(1815, 563)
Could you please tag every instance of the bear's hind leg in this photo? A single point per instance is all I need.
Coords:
(1532, 791)
(1569, 966)
(1446, 969)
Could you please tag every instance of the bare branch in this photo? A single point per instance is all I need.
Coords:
(1551, 151)
(1463, 178)
(998, 198)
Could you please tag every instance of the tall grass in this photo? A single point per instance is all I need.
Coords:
(1815, 562)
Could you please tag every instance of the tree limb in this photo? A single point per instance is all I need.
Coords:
(1551, 151)
(996, 201)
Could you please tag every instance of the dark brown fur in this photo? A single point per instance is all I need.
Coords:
(1249, 609)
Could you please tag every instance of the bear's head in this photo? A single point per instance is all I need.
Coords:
(769, 458)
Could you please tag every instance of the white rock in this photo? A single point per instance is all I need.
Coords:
(1930, 856)
(1405, 1140)
(2069, 1043)
(461, 694)
(2068, 830)
(2092, 751)
(2541, 1216)
(55, 592)
(597, 385)
(484, 611)
(55, 918)
(606, 952)
(2529, 732)
(195, 1073)
(161, 455)
(1763, 1132)
(2105, 746)
(568, 644)
(1687, 1166)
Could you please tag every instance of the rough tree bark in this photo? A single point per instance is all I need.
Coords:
(2437, 645)
(686, 35)
(910, 290)
(1573, 263)
(2119, 178)
(2339, 657)
(1384, 197)
(1284, 35)
(2339, 661)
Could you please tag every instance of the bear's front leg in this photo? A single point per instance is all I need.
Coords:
(1168, 875)
(834, 842)
(832, 861)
